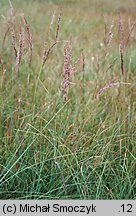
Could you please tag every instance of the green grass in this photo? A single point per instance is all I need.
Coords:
(84, 148)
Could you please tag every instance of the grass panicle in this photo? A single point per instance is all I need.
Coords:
(121, 45)
(67, 71)
(46, 52)
(131, 29)
(107, 87)
(12, 31)
(20, 51)
(78, 143)
(58, 27)
(29, 39)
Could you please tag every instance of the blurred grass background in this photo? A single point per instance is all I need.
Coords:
(84, 148)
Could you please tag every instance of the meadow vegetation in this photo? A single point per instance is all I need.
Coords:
(67, 99)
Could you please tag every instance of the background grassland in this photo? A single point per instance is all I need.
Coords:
(84, 148)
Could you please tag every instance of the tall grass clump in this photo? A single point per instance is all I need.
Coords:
(67, 102)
